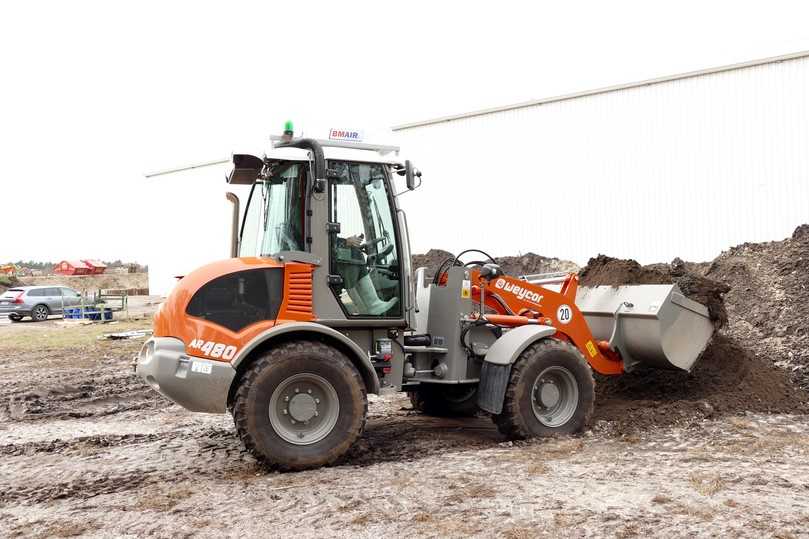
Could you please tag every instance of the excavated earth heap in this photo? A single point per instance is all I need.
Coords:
(757, 295)
(526, 264)
(768, 301)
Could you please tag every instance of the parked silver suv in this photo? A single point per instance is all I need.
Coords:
(38, 302)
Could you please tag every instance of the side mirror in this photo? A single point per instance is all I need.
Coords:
(411, 174)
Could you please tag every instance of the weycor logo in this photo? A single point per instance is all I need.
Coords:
(520, 292)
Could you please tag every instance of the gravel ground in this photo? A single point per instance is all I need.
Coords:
(89, 450)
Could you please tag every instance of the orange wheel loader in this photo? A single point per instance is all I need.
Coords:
(318, 307)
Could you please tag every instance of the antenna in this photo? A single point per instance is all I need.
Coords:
(190, 167)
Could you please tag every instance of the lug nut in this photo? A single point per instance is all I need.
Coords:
(317, 401)
(297, 390)
(286, 411)
(292, 421)
(309, 391)
(286, 399)
(316, 413)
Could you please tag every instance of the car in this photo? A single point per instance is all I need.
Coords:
(38, 302)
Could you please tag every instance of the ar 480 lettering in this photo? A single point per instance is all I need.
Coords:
(213, 349)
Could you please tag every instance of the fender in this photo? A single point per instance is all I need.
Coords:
(357, 355)
(497, 364)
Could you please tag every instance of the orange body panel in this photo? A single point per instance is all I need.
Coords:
(171, 320)
(519, 302)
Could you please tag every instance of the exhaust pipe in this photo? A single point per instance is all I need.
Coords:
(234, 224)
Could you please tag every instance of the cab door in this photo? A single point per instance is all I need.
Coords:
(363, 247)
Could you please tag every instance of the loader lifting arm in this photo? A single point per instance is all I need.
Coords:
(517, 302)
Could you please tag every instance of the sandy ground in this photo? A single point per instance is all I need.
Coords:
(91, 283)
(87, 449)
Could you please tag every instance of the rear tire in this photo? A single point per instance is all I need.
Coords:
(301, 405)
(551, 391)
(442, 400)
(15, 317)
(40, 313)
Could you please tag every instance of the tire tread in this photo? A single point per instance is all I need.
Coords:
(510, 421)
(278, 355)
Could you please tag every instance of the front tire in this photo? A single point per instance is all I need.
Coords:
(301, 405)
(551, 391)
(40, 313)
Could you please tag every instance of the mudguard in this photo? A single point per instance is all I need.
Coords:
(496, 370)
(358, 356)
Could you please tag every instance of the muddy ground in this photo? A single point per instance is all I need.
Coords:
(87, 449)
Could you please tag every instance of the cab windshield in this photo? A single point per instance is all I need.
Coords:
(274, 218)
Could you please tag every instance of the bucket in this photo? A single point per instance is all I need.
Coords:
(651, 324)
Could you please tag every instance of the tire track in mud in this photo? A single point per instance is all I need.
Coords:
(106, 388)
(68, 447)
(71, 469)
(83, 488)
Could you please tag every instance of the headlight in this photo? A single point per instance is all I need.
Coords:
(147, 351)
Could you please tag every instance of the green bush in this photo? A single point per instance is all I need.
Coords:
(7, 281)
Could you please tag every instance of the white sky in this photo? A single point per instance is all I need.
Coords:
(94, 94)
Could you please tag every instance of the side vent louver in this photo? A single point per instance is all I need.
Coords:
(299, 300)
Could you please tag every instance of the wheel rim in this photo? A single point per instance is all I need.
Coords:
(304, 409)
(40, 313)
(555, 396)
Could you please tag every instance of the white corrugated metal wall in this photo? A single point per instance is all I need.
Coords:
(682, 168)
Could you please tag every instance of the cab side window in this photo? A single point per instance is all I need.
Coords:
(363, 252)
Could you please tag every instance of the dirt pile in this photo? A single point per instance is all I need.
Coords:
(726, 380)
(91, 283)
(604, 270)
(513, 265)
(756, 293)
(768, 301)
(533, 263)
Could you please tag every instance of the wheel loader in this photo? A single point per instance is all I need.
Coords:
(318, 307)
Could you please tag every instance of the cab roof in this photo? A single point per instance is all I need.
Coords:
(246, 168)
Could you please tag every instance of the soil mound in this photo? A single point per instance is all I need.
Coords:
(605, 270)
(726, 380)
(533, 263)
(768, 301)
(512, 265)
(91, 283)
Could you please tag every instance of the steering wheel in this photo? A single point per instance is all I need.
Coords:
(380, 254)
(364, 245)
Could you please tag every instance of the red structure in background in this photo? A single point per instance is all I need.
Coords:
(72, 267)
(96, 266)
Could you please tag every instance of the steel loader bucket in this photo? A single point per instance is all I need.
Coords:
(655, 325)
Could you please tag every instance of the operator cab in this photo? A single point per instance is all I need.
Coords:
(305, 187)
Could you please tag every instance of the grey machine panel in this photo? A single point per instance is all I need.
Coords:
(446, 308)
(508, 348)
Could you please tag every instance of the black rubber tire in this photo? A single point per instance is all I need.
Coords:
(15, 317)
(517, 420)
(35, 316)
(442, 400)
(252, 400)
